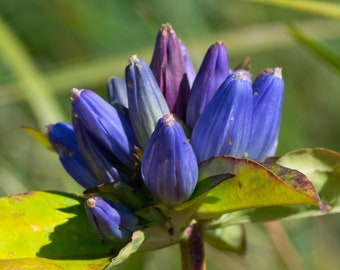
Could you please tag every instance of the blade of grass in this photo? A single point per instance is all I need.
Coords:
(326, 53)
(328, 9)
(32, 84)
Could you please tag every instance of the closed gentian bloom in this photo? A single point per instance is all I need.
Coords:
(189, 68)
(117, 92)
(224, 126)
(168, 67)
(268, 91)
(108, 128)
(113, 222)
(213, 71)
(62, 138)
(104, 165)
(146, 102)
(169, 165)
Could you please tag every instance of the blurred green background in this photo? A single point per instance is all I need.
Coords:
(48, 47)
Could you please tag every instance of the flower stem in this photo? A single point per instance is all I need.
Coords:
(192, 249)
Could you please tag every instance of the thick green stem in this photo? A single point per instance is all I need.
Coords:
(192, 249)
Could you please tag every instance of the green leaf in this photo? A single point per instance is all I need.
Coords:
(49, 230)
(253, 186)
(231, 238)
(46, 264)
(145, 240)
(324, 8)
(138, 238)
(321, 166)
(326, 53)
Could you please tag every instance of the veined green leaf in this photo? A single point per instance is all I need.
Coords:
(252, 186)
(321, 166)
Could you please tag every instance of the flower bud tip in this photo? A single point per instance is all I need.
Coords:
(91, 202)
(277, 72)
(75, 93)
(169, 119)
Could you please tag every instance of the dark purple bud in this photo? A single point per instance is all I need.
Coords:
(268, 91)
(146, 102)
(169, 164)
(213, 71)
(168, 67)
(62, 138)
(189, 68)
(113, 222)
(224, 126)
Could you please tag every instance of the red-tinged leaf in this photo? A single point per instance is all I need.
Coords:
(321, 166)
(253, 186)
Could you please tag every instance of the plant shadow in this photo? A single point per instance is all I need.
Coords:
(75, 239)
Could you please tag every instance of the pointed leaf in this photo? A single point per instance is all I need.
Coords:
(39, 136)
(145, 240)
(137, 240)
(253, 186)
(48, 229)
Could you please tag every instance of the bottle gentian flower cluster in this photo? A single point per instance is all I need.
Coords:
(146, 142)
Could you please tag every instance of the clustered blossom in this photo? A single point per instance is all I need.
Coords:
(159, 125)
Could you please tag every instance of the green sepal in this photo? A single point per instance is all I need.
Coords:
(120, 192)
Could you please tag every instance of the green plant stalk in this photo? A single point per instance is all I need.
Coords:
(32, 84)
(325, 52)
(192, 249)
(325, 8)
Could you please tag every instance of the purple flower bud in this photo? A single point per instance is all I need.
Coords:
(104, 136)
(146, 102)
(268, 91)
(189, 68)
(169, 164)
(167, 65)
(62, 138)
(213, 71)
(224, 126)
(117, 92)
(113, 222)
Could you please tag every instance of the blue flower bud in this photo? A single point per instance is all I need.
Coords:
(167, 65)
(213, 71)
(113, 222)
(224, 126)
(103, 164)
(169, 165)
(62, 138)
(117, 92)
(189, 68)
(268, 91)
(109, 129)
(146, 102)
